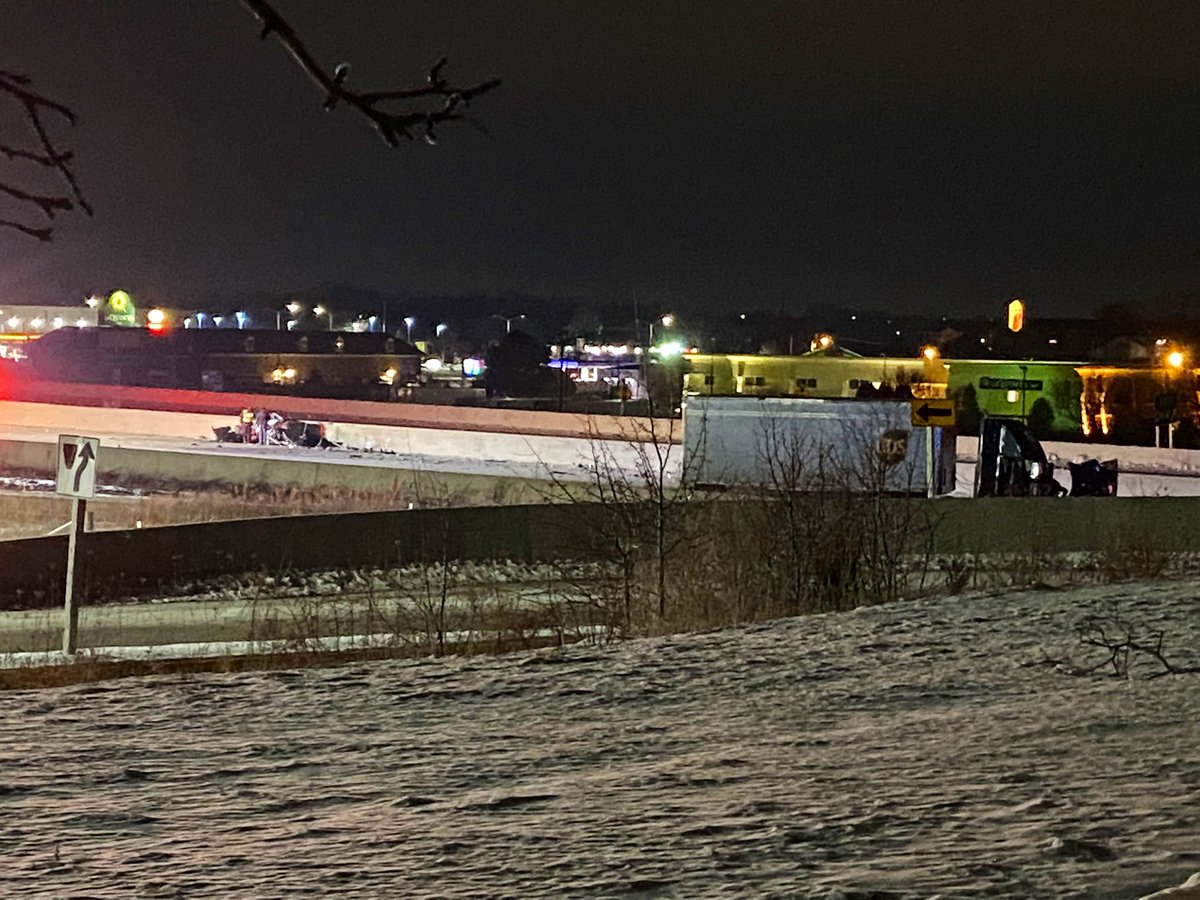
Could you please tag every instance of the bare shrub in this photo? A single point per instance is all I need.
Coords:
(1122, 643)
(639, 501)
(1131, 555)
(825, 527)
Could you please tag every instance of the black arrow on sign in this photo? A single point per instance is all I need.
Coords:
(933, 412)
(86, 456)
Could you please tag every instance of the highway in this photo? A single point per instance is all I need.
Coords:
(503, 455)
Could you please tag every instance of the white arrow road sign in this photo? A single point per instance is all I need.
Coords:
(76, 465)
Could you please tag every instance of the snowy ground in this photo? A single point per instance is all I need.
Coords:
(919, 749)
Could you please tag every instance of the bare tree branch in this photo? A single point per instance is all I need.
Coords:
(443, 101)
(48, 156)
(42, 234)
(391, 125)
(1123, 641)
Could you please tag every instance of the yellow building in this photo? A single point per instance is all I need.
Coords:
(1046, 391)
(817, 374)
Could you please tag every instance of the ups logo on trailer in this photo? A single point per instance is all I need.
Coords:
(893, 447)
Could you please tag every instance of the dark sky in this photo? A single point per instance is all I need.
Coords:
(931, 156)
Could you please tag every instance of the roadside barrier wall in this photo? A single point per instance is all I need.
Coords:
(574, 446)
(155, 560)
(281, 477)
(146, 561)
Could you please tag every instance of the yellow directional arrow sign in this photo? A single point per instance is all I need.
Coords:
(926, 413)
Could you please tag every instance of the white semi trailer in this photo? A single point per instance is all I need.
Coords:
(796, 443)
(805, 444)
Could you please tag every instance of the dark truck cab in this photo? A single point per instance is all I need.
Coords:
(1012, 463)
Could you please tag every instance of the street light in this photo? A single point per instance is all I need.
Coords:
(292, 309)
(320, 310)
(666, 320)
(241, 317)
(408, 324)
(821, 341)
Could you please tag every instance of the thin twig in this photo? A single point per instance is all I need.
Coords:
(42, 234)
(391, 125)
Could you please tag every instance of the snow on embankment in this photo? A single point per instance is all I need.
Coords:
(908, 750)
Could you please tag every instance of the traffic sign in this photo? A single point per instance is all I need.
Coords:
(76, 466)
(927, 413)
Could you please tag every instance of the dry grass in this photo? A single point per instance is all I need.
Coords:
(88, 668)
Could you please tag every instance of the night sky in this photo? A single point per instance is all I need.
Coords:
(937, 157)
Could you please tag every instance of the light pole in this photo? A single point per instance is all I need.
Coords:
(408, 324)
(508, 320)
(320, 310)
(1024, 381)
(1174, 360)
(292, 309)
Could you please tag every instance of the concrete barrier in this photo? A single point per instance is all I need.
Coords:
(152, 560)
(1158, 460)
(563, 450)
(275, 479)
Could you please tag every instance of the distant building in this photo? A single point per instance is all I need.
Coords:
(994, 387)
(22, 323)
(309, 363)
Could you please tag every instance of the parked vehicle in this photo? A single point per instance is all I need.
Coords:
(1013, 463)
(866, 445)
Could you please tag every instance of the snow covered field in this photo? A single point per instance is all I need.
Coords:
(918, 749)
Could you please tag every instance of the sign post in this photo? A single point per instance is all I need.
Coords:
(76, 478)
(931, 414)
